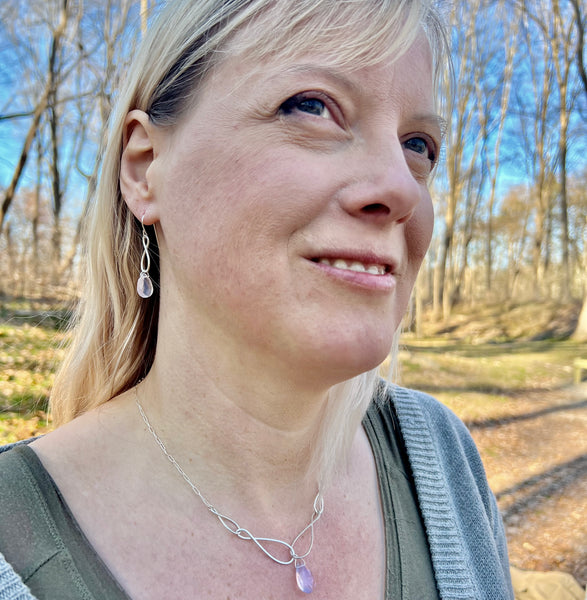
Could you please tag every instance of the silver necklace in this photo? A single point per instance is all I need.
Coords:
(304, 577)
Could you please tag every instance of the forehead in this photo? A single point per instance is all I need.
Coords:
(409, 72)
(351, 32)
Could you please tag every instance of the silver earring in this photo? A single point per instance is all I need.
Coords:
(144, 283)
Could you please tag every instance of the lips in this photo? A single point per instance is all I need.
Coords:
(354, 265)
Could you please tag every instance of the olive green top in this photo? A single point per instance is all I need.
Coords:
(41, 539)
(410, 574)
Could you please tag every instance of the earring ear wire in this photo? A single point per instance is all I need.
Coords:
(144, 282)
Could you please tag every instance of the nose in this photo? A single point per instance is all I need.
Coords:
(383, 190)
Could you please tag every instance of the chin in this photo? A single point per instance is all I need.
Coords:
(347, 362)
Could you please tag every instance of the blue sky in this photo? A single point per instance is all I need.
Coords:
(34, 40)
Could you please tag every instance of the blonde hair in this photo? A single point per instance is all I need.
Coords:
(116, 331)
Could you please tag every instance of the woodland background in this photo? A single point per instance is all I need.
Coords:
(510, 195)
(500, 309)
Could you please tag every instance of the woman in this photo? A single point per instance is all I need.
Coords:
(223, 432)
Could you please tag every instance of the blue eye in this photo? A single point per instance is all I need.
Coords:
(306, 104)
(420, 146)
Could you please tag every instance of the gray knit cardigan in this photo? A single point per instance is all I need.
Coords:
(464, 528)
(463, 524)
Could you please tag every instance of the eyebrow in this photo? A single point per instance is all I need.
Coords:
(327, 73)
(432, 119)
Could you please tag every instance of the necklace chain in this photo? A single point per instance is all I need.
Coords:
(230, 524)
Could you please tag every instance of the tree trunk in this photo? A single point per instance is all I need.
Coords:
(440, 288)
(39, 110)
(11, 190)
(562, 59)
(53, 124)
(580, 42)
(57, 196)
(419, 304)
(580, 333)
(564, 214)
(35, 218)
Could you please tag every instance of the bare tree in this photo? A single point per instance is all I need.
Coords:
(492, 162)
(90, 41)
(580, 46)
(458, 162)
(580, 332)
(41, 105)
(114, 23)
(483, 80)
(556, 30)
(562, 44)
(535, 111)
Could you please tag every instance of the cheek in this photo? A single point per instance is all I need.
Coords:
(419, 233)
(233, 215)
(247, 185)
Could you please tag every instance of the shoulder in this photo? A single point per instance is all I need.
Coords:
(458, 507)
(18, 487)
(416, 405)
(437, 441)
(12, 465)
(18, 501)
(422, 417)
(18, 466)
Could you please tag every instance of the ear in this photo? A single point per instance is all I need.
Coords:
(138, 153)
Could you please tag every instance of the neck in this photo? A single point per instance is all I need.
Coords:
(257, 439)
(244, 424)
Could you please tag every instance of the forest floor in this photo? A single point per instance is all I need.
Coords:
(506, 371)
(526, 416)
(537, 466)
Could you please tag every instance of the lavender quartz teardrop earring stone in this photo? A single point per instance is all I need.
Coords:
(304, 579)
(144, 286)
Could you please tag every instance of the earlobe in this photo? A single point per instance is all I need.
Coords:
(138, 152)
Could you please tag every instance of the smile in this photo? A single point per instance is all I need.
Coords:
(354, 265)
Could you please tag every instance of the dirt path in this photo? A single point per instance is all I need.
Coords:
(536, 462)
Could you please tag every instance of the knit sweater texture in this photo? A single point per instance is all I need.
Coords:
(463, 525)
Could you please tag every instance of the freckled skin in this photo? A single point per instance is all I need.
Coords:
(252, 183)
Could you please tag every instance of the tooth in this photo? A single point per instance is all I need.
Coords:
(339, 263)
(357, 266)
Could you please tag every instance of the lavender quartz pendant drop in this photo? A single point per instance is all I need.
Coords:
(304, 578)
(144, 286)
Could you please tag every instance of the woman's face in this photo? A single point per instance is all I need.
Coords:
(294, 209)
